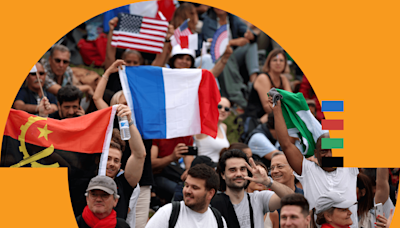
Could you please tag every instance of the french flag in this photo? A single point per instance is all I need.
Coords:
(169, 103)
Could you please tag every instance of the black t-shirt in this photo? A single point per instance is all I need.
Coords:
(82, 224)
(125, 191)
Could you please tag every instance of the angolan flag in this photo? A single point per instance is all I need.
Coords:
(169, 103)
(300, 122)
(139, 33)
(76, 143)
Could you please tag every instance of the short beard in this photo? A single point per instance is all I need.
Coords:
(199, 206)
(236, 188)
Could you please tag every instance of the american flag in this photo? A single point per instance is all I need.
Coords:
(139, 33)
(181, 34)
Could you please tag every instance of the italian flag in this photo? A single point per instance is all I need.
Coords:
(300, 122)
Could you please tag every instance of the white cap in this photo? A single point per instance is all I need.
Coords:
(332, 199)
(177, 50)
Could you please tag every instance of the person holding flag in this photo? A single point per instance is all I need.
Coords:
(315, 178)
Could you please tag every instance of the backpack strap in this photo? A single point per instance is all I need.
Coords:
(218, 217)
(176, 207)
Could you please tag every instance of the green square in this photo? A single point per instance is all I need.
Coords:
(328, 143)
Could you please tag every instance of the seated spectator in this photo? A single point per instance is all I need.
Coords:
(165, 156)
(367, 197)
(209, 146)
(101, 198)
(58, 71)
(30, 98)
(245, 55)
(294, 211)
(69, 99)
(332, 210)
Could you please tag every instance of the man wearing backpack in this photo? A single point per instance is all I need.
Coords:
(200, 187)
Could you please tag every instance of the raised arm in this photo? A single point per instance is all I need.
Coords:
(293, 154)
(382, 185)
(260, 176)
(160, 163)
(134, 165)
(220, 65)
(110, 50)
(101, 86)
(162, 57)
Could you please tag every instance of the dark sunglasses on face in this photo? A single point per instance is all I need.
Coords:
(64, 61)
(225, 108)
(39, 73)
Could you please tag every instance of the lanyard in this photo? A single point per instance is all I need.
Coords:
(251, 211)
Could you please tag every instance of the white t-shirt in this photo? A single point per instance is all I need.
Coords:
(260, 204)
(316, 181)
(131, 216)
(187, 218)
(211, 147)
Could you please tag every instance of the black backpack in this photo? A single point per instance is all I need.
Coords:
(176, 207)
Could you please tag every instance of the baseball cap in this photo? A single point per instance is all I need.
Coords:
(203, 159)
(332, 199)
(104, 183)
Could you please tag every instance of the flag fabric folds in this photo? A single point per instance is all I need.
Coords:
(219, 42)
(170, 103)
(139, 33)
(299, 120)
(184, 37)
(81, 144)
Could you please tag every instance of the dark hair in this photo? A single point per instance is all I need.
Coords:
(237, 145)
(232, 153)
(271, 121)
(296, 199)
(321, 216)
(205, 172)
(181, 14)
(69, 93)
(371, 173)
(366, 202)
(171, 61)
(116, 141)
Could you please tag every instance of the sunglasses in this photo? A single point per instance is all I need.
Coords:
(225, 108)
(39, 73)
(61, 60)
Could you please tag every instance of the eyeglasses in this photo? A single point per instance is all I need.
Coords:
(225, 108)
(39, 73)
(103, 196)
(279, 167)
(63, 60)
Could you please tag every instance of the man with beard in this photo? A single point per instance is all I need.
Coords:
(200, 186)
(249, 208)
(69, 99)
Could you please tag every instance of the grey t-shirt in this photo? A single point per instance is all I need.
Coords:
(259, 202)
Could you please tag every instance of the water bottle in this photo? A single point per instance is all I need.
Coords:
(124, 128)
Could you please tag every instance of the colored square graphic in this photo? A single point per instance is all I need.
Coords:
(332, 124)
(328, 143)
(332, 162)
(332, 106)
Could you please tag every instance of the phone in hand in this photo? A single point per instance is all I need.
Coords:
(378, 210)
(192, 150)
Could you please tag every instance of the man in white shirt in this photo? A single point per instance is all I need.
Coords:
(200, 187)
(315, 179)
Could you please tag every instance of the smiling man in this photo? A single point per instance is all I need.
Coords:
(239, 208)
(101, 198)
(201, 185)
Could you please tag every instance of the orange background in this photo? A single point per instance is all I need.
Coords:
(348, 50)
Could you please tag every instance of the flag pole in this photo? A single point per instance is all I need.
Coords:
(40, 83)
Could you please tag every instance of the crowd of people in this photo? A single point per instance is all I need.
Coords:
(262, 181)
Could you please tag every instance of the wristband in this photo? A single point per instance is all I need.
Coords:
(270, 183)
(106, 78)
(130, 122)
(167, 41)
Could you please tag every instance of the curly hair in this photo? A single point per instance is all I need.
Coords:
(232, 153)
(205, 172)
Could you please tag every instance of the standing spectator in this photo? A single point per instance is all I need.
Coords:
(240, 208)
